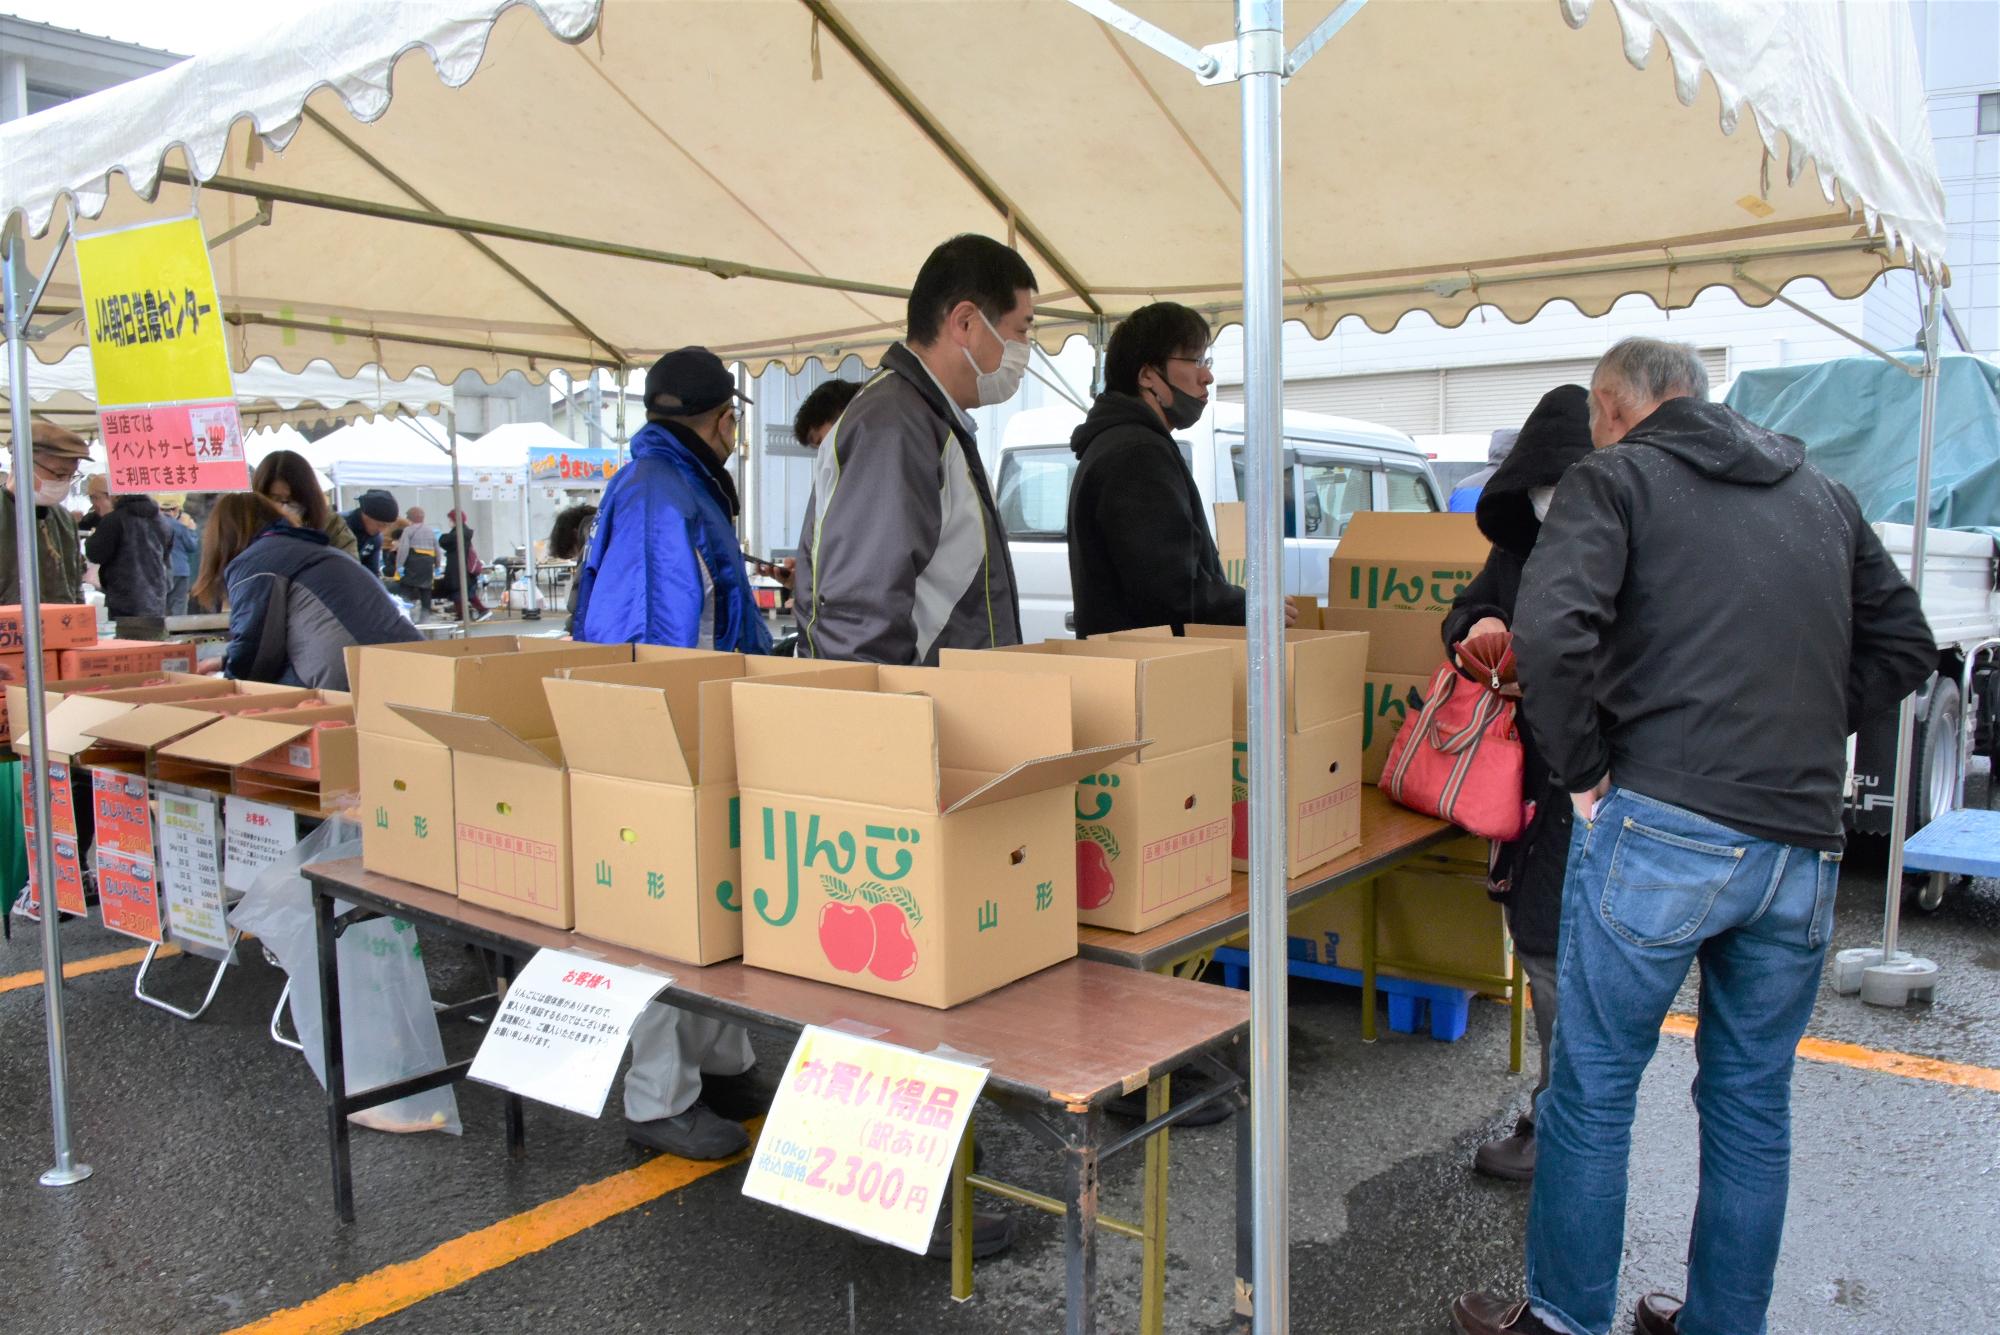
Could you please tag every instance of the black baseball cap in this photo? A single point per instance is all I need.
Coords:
(379, 506)
(688, 382)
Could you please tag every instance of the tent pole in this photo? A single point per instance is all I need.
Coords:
(619, 444)
(532, 610)
(27, 548)
(460, 556)
(1260, 33)
(1891, 977)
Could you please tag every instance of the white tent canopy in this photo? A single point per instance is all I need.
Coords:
(266, 394)
(775, 196)
(411, 452)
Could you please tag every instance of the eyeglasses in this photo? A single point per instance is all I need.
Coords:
(1205, 363)
(64, 470)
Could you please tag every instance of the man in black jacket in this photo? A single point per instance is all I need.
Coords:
(1527, 873)
(1140, 550)
(1703, 622)
(132, 547)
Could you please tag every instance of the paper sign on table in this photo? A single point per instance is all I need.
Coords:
(190, 873)
(862, 1135)
(560, 1033)
(256, 834)
(128, 894)
(167, 404)
(124, 813)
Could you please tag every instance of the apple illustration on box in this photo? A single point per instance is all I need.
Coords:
(873, 934)
(1096, 849)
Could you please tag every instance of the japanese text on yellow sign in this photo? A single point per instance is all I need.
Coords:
(155, 324)
(862, 1136)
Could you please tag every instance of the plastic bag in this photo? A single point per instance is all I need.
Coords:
(389, 1030)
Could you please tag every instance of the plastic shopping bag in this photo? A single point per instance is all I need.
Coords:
(389, 1030)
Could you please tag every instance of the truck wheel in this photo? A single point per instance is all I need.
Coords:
(1940, 786)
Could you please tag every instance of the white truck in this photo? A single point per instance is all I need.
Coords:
(1958, 710)
(1334, 468)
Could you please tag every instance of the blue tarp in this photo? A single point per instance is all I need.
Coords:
(1859, 416)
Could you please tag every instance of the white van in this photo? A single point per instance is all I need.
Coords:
(1335, 467)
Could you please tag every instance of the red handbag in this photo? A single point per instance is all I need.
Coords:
(1459, 758)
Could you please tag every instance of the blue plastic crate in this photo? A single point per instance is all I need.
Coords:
(1412, 1005)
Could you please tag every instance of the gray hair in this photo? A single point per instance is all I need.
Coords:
(1653, 370)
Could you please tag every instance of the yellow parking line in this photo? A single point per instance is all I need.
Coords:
(95, 964)
(1872, 1059)
(395, 1287)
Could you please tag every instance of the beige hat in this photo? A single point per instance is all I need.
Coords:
(170, 500)
(97, 485)
(53, 443)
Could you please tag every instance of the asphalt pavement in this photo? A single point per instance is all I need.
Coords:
(210, 1208)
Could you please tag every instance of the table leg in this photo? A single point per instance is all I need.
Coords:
(517, 1130)
(333, 1062)
(1518, 1022)
(961, 1219)
(1153, 1215)
(1245, 1221)
(1080, 1226)
(1368, 961)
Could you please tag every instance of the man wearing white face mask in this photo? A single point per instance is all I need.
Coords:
(58, 455)
(902, 552)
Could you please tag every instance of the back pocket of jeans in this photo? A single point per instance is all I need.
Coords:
(1660, 885)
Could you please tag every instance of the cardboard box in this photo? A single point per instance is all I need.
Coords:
(304, 758)
(655, 825)
(1152, 832)
(1436, 918)
(1404, 562)
(1409, 644)
(1385, 703)
(407, 822)
(915, 841)
(110, 657)
(14, 672)
(1309, 613)
(153, 722)
(74, 706)
(64, 626)
(510, 805)
(1231, 543)
(1323, 677)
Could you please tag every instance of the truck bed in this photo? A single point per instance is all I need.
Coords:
(1961, 572)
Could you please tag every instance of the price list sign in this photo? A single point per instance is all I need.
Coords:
(862, 1135)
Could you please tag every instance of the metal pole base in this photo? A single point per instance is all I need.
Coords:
(1850, 966)
(1900, 982)
(65, 1177)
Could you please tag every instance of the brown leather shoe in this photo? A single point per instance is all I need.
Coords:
(1483, 1314)
(1656, 1314)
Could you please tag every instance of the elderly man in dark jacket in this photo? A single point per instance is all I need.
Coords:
(1140, 550)
(1527, 873)
(58, 454)
(1704, 620)
(132, 547)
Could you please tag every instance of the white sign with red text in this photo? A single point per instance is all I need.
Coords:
(862, 1135)
(563, 1028)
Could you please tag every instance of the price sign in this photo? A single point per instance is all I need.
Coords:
(124, 813)
(190, 871)
(128, 893)
(562, 1029)
(166, 401)
(862, 1135)
(62, 845)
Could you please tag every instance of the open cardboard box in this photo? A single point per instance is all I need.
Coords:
(407, 824)
(654, 824)
(1152, 831)
(1231, 542)
(1323, 672)
(76, 707)
(916, 841)
(141, 732)
(305, 758)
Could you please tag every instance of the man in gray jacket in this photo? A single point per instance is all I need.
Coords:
(903, 553)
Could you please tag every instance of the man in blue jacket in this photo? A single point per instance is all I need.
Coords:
(664, 568)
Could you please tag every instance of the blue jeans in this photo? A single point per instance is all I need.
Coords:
(1650, 888)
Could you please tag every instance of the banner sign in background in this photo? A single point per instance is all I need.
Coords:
(862, 1136)
(574, 467)
(166, 402)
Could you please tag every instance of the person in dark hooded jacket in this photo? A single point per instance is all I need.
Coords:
(1704, 620)
(1140, 549)
(1527, 874)
(132, 548)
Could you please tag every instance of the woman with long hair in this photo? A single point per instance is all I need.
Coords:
(287, 477)
(295, 604)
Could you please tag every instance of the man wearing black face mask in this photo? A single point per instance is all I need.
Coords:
(1140, 550)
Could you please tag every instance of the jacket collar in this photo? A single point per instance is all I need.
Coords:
(904, 362)
(666, 441)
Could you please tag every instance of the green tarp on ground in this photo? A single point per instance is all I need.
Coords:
(1859, 417)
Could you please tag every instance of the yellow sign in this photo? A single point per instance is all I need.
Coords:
(862, 1136)
(166, 404)
(155, 323)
